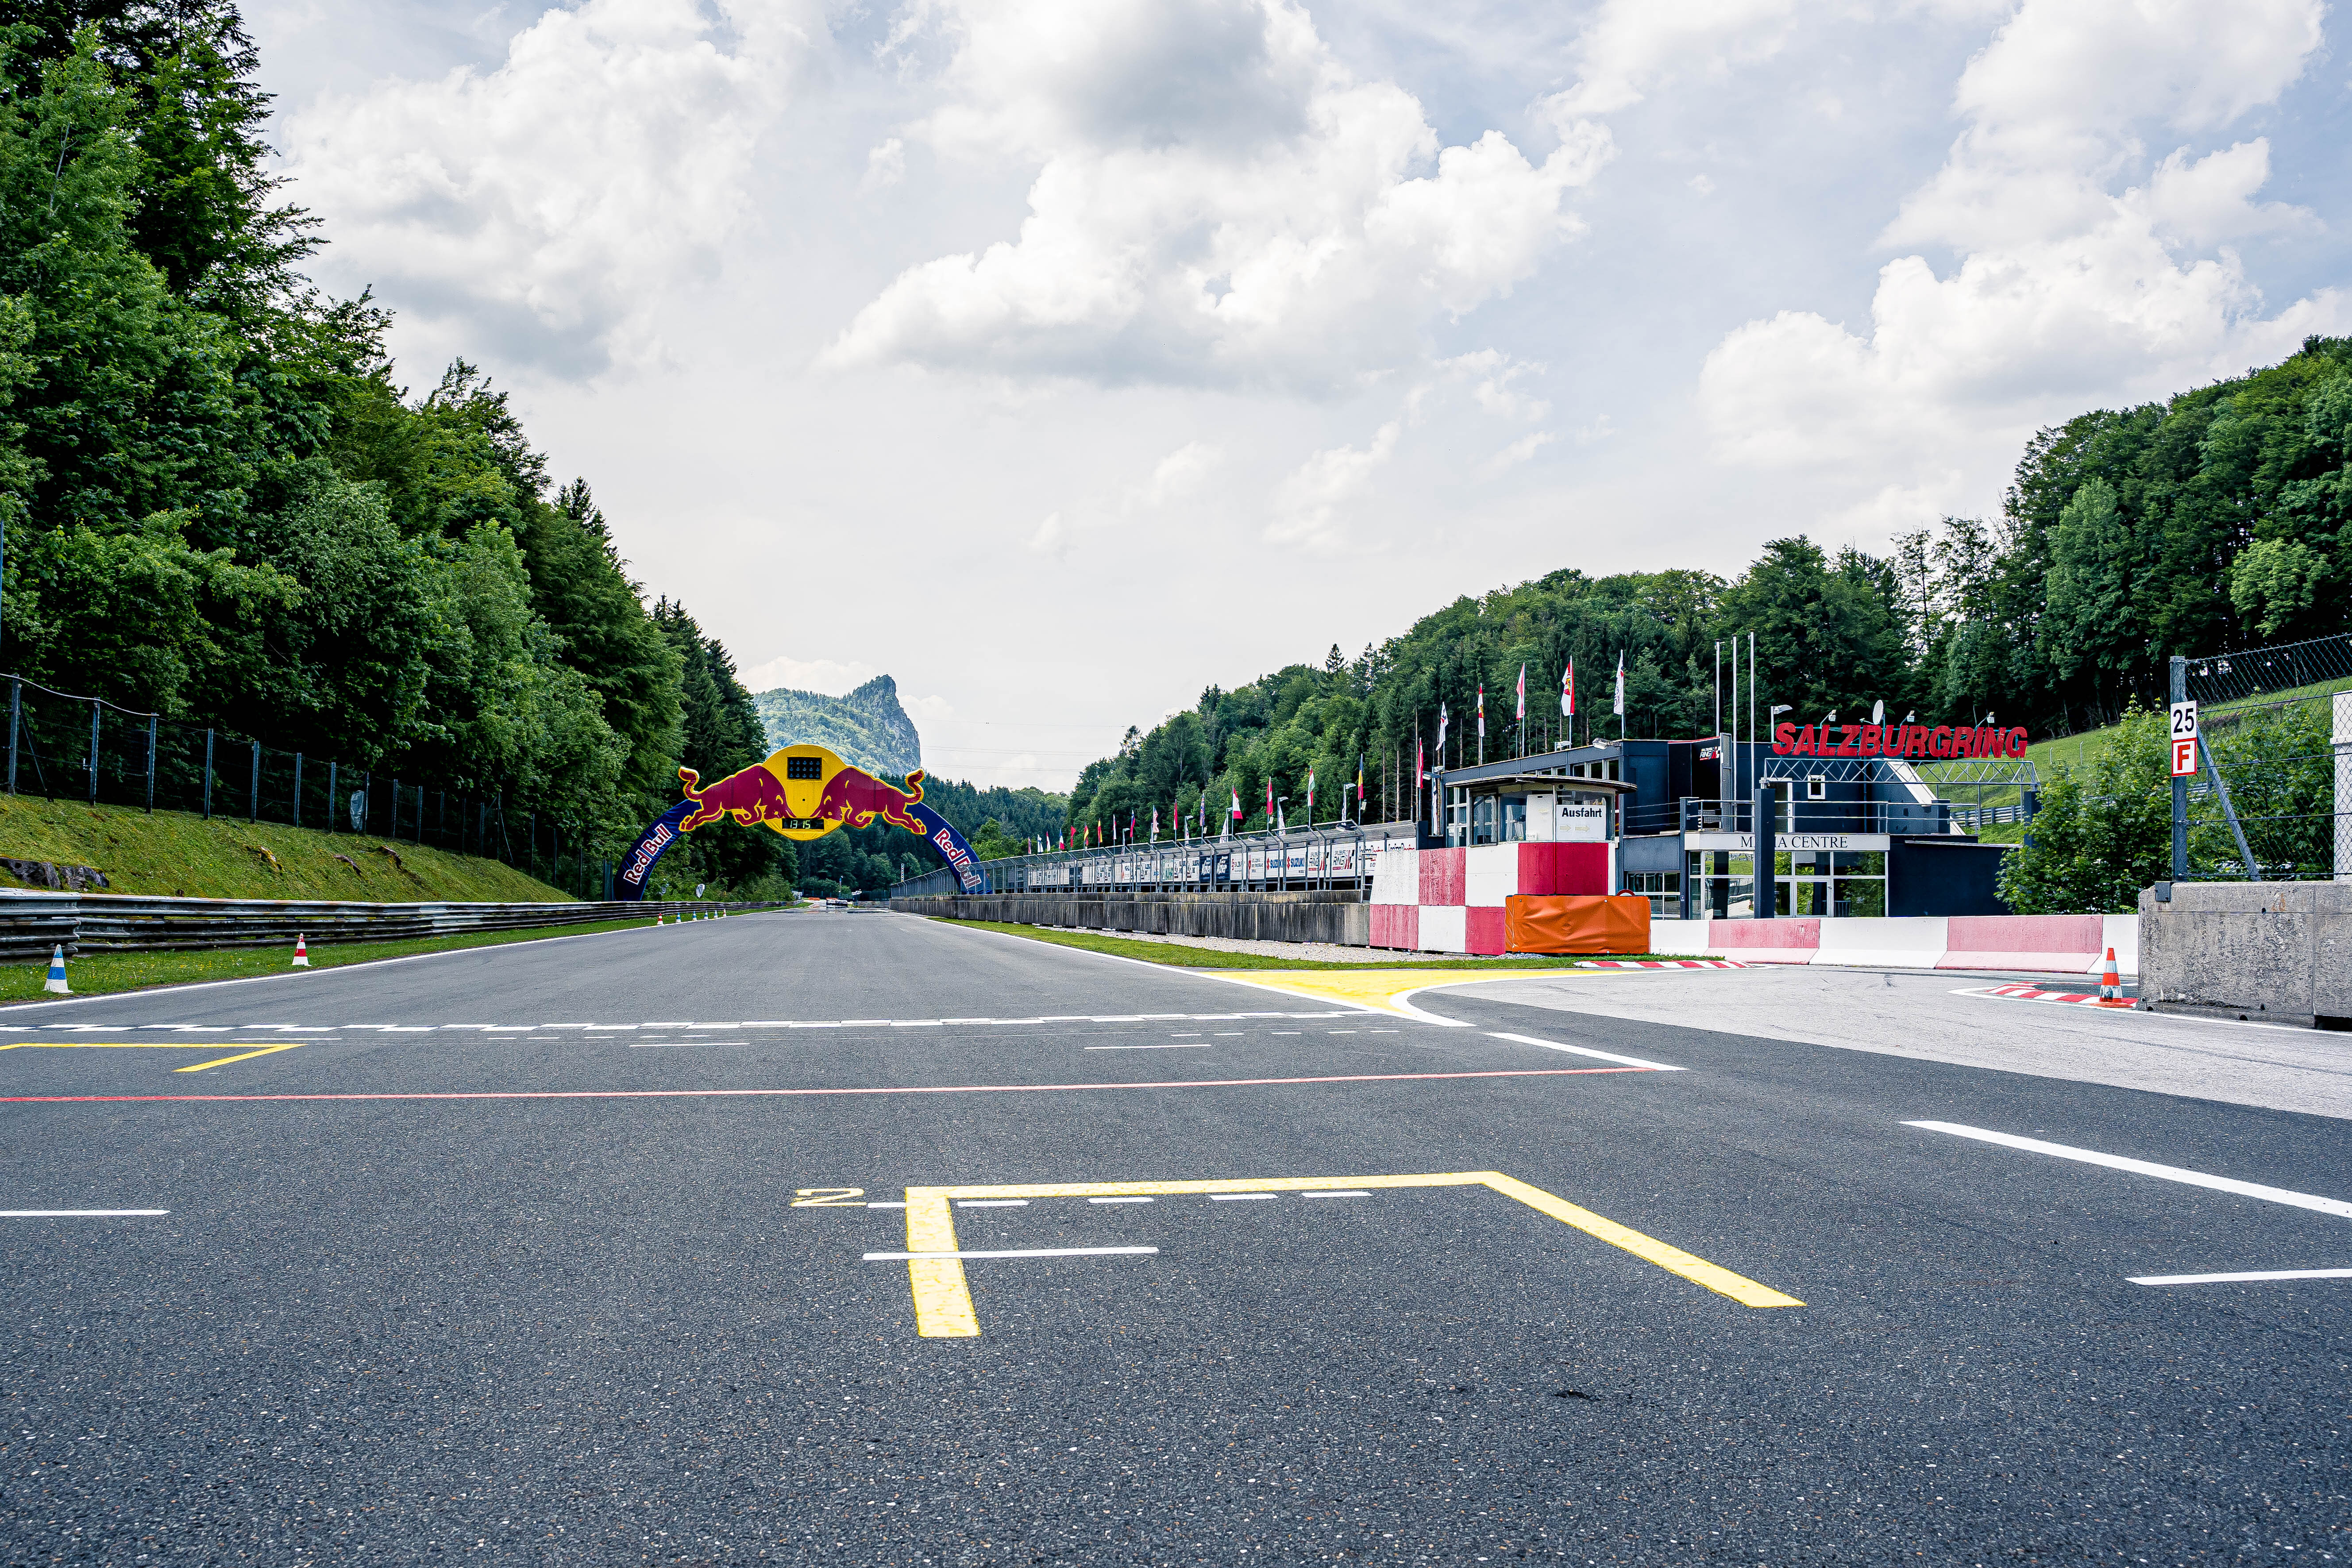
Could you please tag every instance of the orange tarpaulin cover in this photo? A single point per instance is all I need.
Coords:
(1545, 922)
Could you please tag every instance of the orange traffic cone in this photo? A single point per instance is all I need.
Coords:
(2111, 985)
(302, 952)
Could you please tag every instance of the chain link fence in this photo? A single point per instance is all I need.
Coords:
(67, 747)
(2272, 799)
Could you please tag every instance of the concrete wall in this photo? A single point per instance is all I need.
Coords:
(2278, 951)
(1333, 917)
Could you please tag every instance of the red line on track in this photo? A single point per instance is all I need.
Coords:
(789, 1093)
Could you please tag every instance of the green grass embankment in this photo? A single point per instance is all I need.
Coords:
(180, 853)
(102, 974)
(1177, 955)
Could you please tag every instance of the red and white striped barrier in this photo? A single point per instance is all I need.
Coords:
(2035, 994)
(1452, 900)
(1659, 964)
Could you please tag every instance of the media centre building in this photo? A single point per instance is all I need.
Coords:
(1851, 825)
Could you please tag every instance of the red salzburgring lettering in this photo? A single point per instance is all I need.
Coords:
(1940, 741)
(1784, 738)
(1874, 738)
(1848, 745)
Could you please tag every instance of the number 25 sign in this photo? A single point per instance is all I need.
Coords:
(2184, 740)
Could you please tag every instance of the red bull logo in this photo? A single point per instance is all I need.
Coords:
(855, 798)
(801, 792)
(753, 796)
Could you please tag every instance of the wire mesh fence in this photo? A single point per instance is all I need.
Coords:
(2272, 799)
(67, 747)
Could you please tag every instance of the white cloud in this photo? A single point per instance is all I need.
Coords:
(885, 165)
(1217, 201)
(1629, 45)
(2064, 290)
(1517, 452)
(1308, 504)
(547, 204)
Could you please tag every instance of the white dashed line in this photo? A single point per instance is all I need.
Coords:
(1118, 1200)
(76, 1214)
(1239, 1197)
(2236, 1279)
(992, 1204)
(1334, 1194)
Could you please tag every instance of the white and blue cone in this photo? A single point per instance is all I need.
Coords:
(57, 980)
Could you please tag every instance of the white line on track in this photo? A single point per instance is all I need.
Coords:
(1119, 1200)
(2235, 1278)
(1239, 1197)
(879, 1204)
(992, 1203)
(687, 1023)
(1024, 1252)
(1587, 1051)
(75, 1213)
(1172, 1045)
(1316, 1193)
(2336, 1206)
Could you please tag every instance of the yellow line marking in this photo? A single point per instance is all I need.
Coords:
(943, 1306)
(1384, 990)
(158, 1045)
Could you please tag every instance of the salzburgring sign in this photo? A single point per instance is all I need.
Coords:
(1943, 741)
(802, 793)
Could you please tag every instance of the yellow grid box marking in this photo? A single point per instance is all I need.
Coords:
(943, 1306)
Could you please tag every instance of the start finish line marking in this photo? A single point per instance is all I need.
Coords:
(680, 1023)
(944, 1304)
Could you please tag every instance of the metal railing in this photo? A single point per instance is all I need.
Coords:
(33, 924)
(1320, 859)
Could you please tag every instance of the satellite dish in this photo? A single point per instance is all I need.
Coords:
(1878, 713)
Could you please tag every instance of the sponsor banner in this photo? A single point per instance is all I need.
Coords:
(637, 864)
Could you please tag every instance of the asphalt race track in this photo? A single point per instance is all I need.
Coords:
(559, 1253)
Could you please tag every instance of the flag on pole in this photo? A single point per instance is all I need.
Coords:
(1310, 797)
(1360, 786)
(1155, 824)
(1441, 734)
(1618, 706)
(1269, 800)
(1568, 690)
(1523, 694)
(1237, 803)
(1481, 713)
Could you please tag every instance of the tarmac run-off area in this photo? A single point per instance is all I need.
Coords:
(855, 1238)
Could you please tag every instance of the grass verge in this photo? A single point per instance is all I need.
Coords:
(181, 853)
(103, 973)
(1177, 956)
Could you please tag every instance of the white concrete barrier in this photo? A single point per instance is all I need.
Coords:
(1915, 941)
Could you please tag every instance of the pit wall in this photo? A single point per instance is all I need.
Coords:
(1451, 901)
(2273, 952)
(1330, 917)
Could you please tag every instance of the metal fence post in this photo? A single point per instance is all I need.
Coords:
(208, 775)
(420, 813)
(94, 711)
(392, 829)
(16, 703)
(298, 789)
(333, 805)
(2179, 783)
(151, 763)
(253, 802)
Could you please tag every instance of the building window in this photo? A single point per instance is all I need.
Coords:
(1663, 888)
(1817, 788)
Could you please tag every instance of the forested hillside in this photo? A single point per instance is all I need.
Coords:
(223, 504)
(2219, 520)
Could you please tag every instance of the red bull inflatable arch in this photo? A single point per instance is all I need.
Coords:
(803, 793)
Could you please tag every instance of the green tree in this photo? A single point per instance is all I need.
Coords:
(2104, 829)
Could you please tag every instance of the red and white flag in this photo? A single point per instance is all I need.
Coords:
(1237, 803)
(1269, 800)
(1481, 713)
(1523, 694)
(1568, 690)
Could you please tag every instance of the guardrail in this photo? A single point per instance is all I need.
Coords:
(31, 924)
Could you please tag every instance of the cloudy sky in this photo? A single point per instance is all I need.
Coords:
(1059, 357)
